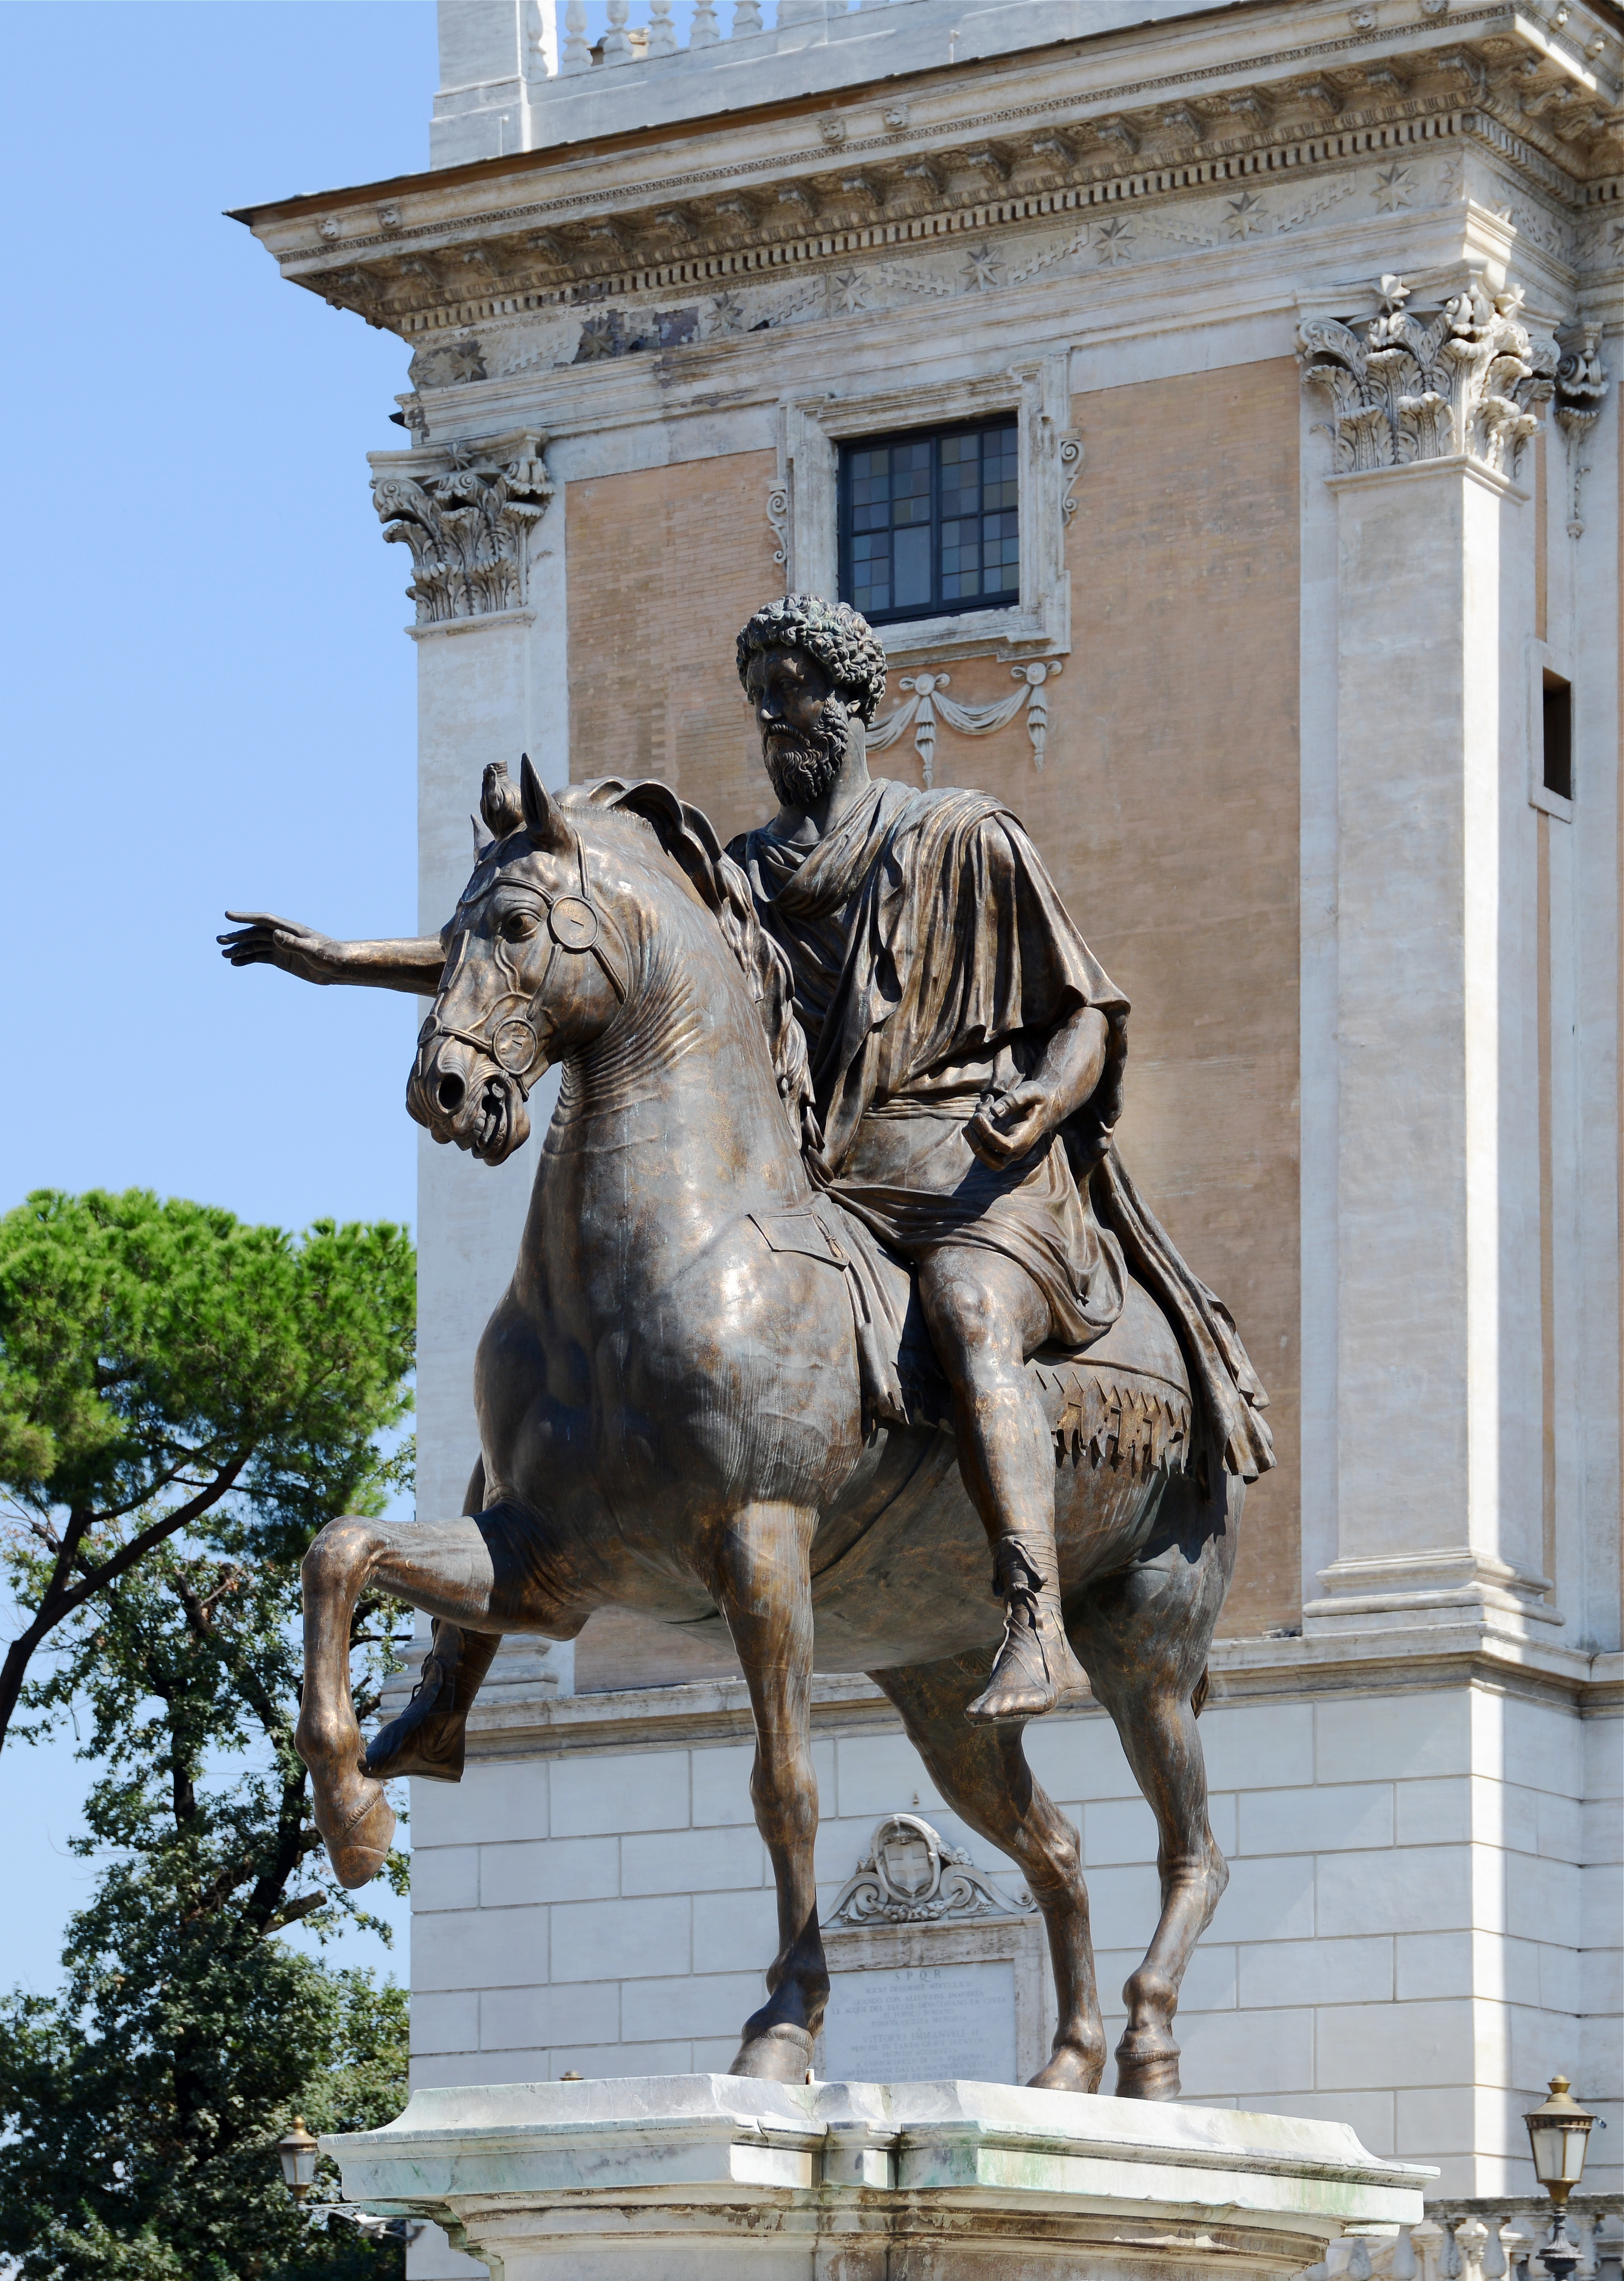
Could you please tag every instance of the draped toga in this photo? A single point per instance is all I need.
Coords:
(933, 961)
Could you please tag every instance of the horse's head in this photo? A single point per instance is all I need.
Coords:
(536, 968)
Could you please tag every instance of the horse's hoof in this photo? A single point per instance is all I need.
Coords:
(778, 2054)
(357, 1840)
(1069, 2069)
(1148, 2065)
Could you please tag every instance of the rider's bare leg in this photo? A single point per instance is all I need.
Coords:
(983, 1774)
(760, 1576)
(985, 1317)
(1146, 1632)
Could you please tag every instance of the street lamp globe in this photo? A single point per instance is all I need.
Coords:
(1558, 2132)
(297, 2152)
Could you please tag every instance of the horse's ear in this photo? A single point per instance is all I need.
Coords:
(498, 801)
(544, 819)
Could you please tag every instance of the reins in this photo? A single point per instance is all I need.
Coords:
(513, 1041)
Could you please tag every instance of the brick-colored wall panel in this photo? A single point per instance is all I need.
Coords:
(665, 565)
(1167, 809)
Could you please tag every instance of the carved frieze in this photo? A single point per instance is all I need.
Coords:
(467, 513)
(1465, 381)
(847, 189)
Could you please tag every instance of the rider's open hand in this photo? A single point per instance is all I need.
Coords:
(262, 940)
(1008, 1124)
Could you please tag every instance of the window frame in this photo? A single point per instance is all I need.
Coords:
(803, 502)
(938, 607)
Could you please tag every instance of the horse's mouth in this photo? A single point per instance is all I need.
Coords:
(499, 1123)
(485, 1114)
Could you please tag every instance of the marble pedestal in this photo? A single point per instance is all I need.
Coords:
(687, 2178)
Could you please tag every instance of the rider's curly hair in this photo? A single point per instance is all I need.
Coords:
(842, 641)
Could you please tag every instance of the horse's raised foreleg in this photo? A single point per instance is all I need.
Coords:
(428, 1739)
(983, 1774)
(761, 1582)
(445, 1567)
(1144, 1636)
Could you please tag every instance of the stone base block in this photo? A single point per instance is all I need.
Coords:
(689, 2177)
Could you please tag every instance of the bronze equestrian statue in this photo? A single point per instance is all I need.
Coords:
(830, 1256)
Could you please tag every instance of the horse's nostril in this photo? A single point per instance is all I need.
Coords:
(450, 1095)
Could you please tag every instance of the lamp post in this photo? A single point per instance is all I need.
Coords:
(297, 2152)
(1558, 2132)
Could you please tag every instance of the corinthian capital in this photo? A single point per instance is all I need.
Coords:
(1464, 381)
(466, 511)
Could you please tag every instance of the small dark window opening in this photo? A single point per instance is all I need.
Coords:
(930, 521)
(1559, 736)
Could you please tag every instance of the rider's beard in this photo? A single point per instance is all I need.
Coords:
(802, 765)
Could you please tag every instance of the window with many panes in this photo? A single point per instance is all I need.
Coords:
(930, 521)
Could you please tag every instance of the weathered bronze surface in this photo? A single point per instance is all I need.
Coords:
(830, 1171)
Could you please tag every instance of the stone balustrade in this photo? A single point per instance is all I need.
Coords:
(1494, 2239)
(624, 43)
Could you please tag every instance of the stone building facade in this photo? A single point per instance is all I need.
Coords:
(1305, 319)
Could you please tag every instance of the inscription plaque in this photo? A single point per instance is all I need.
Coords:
(921, 2023)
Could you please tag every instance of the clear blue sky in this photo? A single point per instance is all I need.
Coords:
(208, 696)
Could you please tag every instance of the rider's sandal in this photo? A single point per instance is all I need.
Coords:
(1034, 1670)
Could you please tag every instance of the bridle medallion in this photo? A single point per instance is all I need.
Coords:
(515, 1046)
(573, 923)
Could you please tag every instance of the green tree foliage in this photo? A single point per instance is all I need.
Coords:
(185, 1401)
(140, 2107)
(163, 1363)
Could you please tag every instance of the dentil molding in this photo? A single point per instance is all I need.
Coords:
(467, 512)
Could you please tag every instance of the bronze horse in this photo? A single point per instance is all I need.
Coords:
(671, 1419)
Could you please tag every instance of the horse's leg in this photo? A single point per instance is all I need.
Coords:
(982, 1772)
(445, 1567)
(1144, 1636)
(760, 1578)
(430, 1737)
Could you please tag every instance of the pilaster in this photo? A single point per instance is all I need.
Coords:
(1437, 1372)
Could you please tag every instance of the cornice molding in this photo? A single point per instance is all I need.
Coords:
(1464, 1650)
(1478, 74)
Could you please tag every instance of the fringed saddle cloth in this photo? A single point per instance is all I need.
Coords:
(1122, 1402)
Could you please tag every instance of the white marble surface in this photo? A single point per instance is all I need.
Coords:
(683, 2175)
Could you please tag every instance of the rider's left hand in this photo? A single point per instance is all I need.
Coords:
(1004, 1129)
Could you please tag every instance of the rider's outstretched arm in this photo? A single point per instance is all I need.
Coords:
(261, 939)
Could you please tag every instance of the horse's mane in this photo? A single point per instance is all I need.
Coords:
(688, 837)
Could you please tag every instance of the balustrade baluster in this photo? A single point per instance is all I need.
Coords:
(1426, 2240)
(705, 30)
(747, 17)
(661, 32)
(578, 55)
(1583, 2229)
(616, 45)
(1494, 2251)
(1471, 2241)
(1401, 2265)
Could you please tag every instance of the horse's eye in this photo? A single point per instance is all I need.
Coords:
(518, 924)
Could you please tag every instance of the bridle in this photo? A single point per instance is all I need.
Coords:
(513, 1041)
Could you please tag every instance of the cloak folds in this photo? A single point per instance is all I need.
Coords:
(932, 960)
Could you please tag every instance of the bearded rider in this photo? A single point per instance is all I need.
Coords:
(957, 1024)
(966, 1051)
